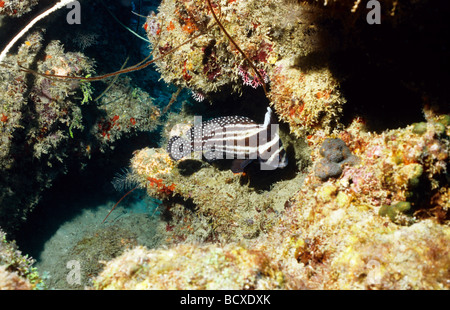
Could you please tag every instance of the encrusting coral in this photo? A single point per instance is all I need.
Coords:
(307, 101)
(16, 8)
(190, 267)
(333, 235)
(330, 234)
(38, 121)
(380, 222)
(126, 110)
(11, 281)
(377, 219)
(49, 125)
(215, 205)
(270, 41)
(16, 271)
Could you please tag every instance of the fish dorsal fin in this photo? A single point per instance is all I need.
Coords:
(270, 118)
(267, 117)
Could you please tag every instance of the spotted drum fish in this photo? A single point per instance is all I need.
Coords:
(233, 137)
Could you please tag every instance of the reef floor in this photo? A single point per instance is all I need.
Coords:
(67, 229)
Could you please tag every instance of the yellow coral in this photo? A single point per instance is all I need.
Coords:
(152, 163)
(12, 281)
(307, 100)
(190, 267)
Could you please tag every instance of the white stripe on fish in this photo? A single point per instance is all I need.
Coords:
(233, 137)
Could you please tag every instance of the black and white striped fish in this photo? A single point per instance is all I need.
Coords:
(233, 137)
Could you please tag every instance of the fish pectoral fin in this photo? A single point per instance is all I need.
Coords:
(238, 165)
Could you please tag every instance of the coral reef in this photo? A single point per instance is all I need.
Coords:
(208, 202)
(124, 110)
(16, 8)
(330, 234)
(38, 120)
(348, 246)
(190, 267)
(373, 209)
(335, 155)
(271, 36)
(49, 126)
(334, 234)
(11, 281)
(215, 204)
(364, 202)
(212, 61)
(16, 270)
(306, 100)
(396, 165)
(305, 50)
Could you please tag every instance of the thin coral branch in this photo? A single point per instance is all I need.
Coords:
(127, 28)
(237, 46)
(138, 14)
(118, 203)
(172, 100)
(126, 70)
(112, 82)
